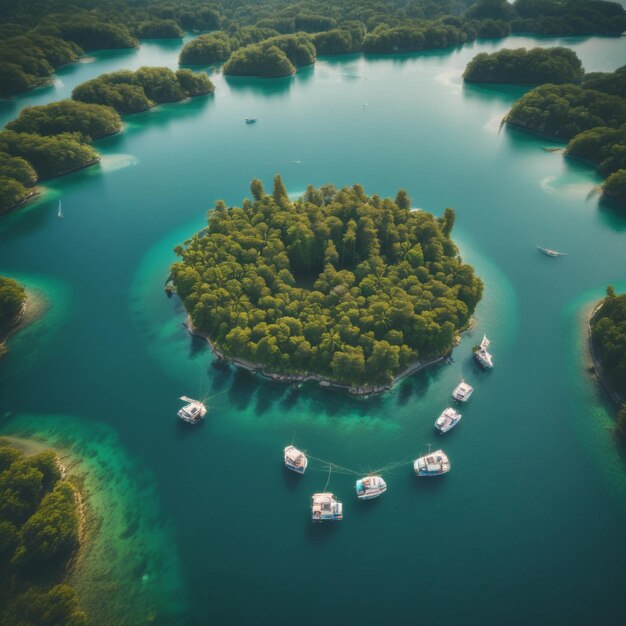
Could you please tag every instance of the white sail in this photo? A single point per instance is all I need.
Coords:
(484, 344)
(60, 210)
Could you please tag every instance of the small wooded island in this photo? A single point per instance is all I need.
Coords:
(39, 532)
(12, 299)
(608, 337)
(349, 287)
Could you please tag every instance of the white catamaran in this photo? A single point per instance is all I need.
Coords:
(324, 507)
(432, 464)
(295, 460)
(192, 412)
(447, 420)
(481, 354)
(462, 392)
(370, 487)
(550, 252)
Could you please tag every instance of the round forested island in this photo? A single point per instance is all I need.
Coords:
(337, 286)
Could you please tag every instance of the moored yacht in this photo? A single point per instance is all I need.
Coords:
(324, 507)
(192, 412)
(432, 464)
(447, 420)
(295, 460)
(481, 354)
(370, 487)
(462, 392)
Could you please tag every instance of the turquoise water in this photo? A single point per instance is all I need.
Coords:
(528, 526)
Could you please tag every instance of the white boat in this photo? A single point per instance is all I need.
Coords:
(447, 420)
(324, 507)
(59, 210)
(295, 460)
(462, 392)
(370, 487)
(481, 354)
(432, 464)
(550, 252)
(192, 412)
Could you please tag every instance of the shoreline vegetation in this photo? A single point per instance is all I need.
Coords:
(13, 299)
(56, 139)
(39, 39)
(42, 521)
(346, 289)
(296, 379)
(587, 111)
(606, 327)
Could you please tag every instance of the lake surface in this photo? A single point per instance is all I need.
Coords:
(528, 527)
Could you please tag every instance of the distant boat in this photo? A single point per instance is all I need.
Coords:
(482, 356)
(192, 412)
(324, 507)
(550, 252)
(432, 464)
(462, 391)
(370, 487)
(295, 460)
(251, 120)
(59, 210)
(447, 420)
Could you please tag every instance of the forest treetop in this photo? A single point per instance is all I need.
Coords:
(351, 287)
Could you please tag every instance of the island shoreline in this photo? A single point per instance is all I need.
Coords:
(355, 390)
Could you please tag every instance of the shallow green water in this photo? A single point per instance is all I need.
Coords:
(528, 527)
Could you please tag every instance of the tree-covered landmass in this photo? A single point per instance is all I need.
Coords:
(50, 156)
(88, 32)
(608, 333)
(38, 533)
(614, 188)
(351, 287)
(205, 49)
(422, 36)
(610, 82)
(606, 147)
(67, 116)
(348, 38)
(17, 180)
(532, 67)
(28, 60)
(621, 420)
(276, 56)
(562, 111)
(159, 29)
(12, 298)
(129, 92)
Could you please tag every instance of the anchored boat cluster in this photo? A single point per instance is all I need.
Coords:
(326, 507)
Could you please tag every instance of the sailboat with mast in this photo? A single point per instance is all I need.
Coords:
(482, 356)
(59, 210)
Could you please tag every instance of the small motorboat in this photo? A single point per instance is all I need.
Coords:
(295, 460)
(432, 464)
(447, 420)
(370, 487)
(550, 252)
(192, 412)
(482, 356)
(324, 508)
(462, 392)
(251, 120)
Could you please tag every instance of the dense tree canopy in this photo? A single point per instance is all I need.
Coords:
(38, 532)
(12, 297)
(533, 67)
(614, 187)
(610, 82)
(205, 49)
(49, 156)
(608, 331)
(159, 29)
(276, 56)
(17, 179)
(562, 111)
(604, 146)
(128, 92)
(66, 116)
(351, 287)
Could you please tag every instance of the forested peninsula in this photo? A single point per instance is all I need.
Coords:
(39, 533)
(590, 116)
(348, 287)
(12, 299)
(39, 36)
(55, 139)
(521, 66)
(608, 337)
